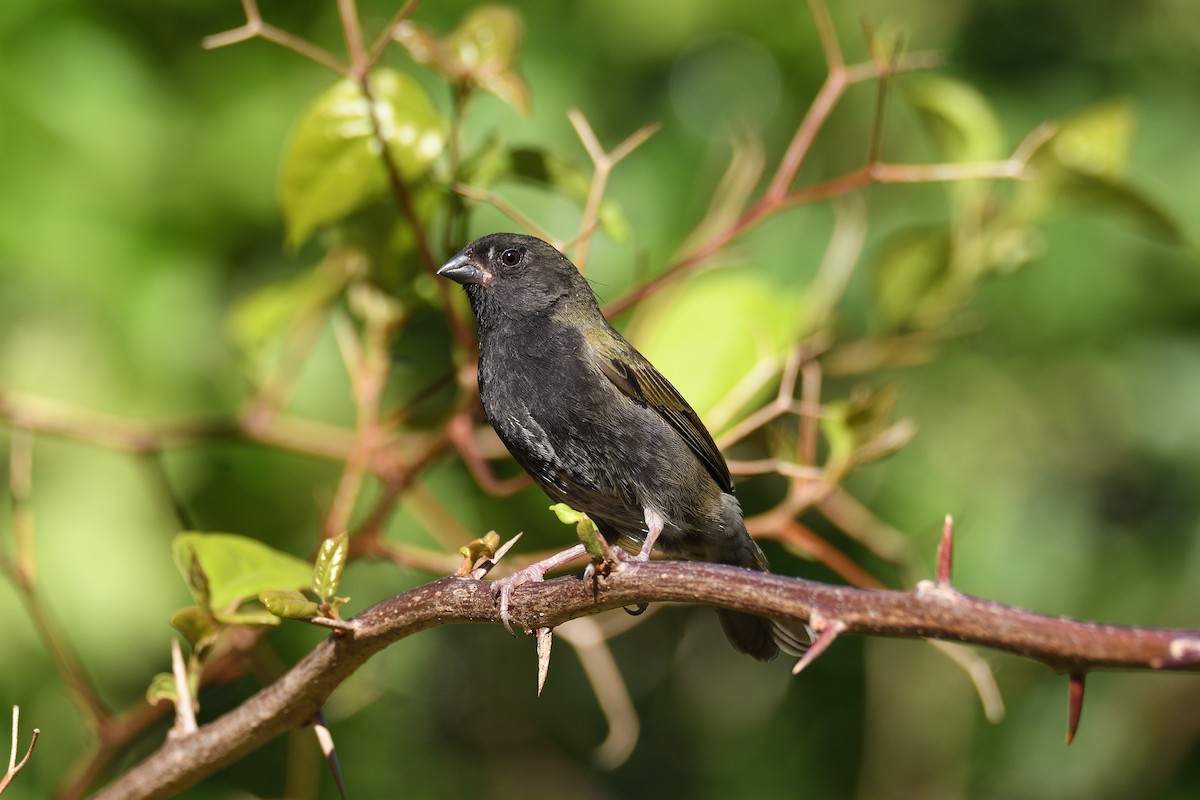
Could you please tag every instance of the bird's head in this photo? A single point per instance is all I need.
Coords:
(516, 276)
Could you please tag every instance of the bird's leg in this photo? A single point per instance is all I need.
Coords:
(504, 587)
(654, 527)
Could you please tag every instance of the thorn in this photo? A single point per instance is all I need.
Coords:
(828, 634)
(185, 706)
(545, 637)
(945, 553)
(325, 740)
(1075, 704)
(339, 626)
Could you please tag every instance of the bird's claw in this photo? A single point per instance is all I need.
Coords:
(504, 587)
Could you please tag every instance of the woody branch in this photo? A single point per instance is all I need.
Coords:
(932, 611)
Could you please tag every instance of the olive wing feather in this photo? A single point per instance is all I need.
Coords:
(637, 378)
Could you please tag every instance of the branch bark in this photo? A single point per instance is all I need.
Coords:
(931, 611)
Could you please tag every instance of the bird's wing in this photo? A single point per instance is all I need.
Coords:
(636, 377)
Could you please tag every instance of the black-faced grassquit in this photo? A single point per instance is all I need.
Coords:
(596, 425)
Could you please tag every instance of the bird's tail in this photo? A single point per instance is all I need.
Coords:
(763, 638)
(759, 637)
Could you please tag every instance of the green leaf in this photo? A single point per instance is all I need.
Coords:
(1084, 167)
(958, 116)
(193, 573)
(541, 168)
(840, 440)
(589, 536)
(289, 604)
(162, 687)
(868, 415)
(251, 615)
(271, 310)
(707, 334)
(1096, 140)
(480, 53)
(331, 163)
(566, 515)
(237, 568)
(331, 561)
(378, 309)
(1126, 203)
(476, 549)
(913, 283)
(197, 626)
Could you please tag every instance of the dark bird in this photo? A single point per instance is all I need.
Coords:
(596, 425)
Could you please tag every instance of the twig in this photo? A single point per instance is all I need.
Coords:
(603, 164)
(255, 28)
(504, 207)
(779, 195)
(14, 766)
(387, 35)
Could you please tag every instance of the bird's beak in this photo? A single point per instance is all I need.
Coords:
(463, 269)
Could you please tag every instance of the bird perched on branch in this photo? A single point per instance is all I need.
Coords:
(596, 425)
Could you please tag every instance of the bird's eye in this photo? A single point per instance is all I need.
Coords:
(511, 257)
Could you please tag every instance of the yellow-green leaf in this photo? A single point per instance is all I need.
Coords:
(289, 604)
(1096, 140)
(237, 568)
(331, 163)
(913, 283)
(197, 626)
(1084, 167)
(251, 615)
(706, 335)
(331, 561)
(270, 310)
(566, 515)
(162, 687)
(869, 417)
(481, 52)
(961, 120)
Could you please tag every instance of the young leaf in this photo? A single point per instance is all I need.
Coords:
(162, 687)
(566, 515)
(289, 604)
(237, 568)
(197, 626)
(1096, 140)
(193, 573)
(251, 615)
(331, 561)
(331, 163)
(705, 362)
(959, 117)
(913, 283)
(1084, 166)
(269, 311)
(590, 538)
(480, 53)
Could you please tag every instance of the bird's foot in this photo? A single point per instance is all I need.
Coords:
(504, 587)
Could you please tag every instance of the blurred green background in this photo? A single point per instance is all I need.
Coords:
(137, 199)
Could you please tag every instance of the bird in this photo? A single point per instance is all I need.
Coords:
(597, 427)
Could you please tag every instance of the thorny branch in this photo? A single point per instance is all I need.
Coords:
(930, 611)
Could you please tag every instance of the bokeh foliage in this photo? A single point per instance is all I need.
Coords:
(149, 270)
